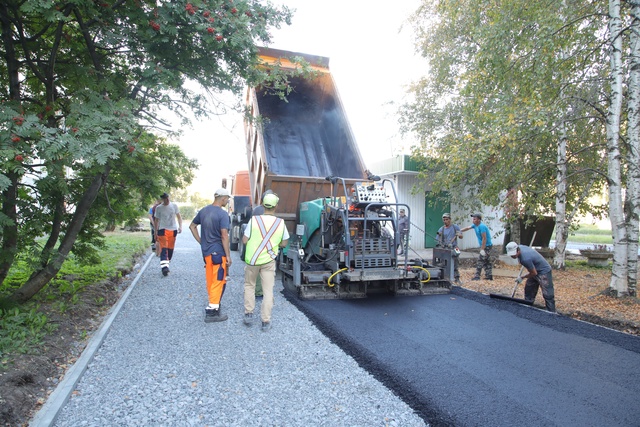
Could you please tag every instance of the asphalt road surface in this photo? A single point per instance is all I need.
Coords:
(465, 359)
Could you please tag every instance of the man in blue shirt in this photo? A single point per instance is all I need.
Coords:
(538, 274)
(214, 243)
(484, 240)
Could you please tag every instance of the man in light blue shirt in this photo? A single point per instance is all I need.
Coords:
(484, 240)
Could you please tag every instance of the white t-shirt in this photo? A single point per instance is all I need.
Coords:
(166, 215)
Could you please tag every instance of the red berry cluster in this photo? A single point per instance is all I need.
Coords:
(15, 138)
(154, 25)
(18, 120)
(191, 9)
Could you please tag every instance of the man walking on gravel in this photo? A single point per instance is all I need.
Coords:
(538, 274)
(263, 238)
(167, 229)
(214, 243)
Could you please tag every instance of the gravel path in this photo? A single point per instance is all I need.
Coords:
(161, 365)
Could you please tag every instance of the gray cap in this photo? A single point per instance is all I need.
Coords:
(476, 215)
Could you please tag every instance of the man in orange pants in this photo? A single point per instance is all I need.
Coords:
(167, 230)
(214, 242)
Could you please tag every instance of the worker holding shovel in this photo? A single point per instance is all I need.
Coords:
(538, 274)
(448, 236)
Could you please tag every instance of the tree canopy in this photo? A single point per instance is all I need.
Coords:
(85, 89)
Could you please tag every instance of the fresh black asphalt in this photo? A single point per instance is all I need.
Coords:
(465, 359)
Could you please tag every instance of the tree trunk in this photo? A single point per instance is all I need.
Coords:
(562, 231)
(56, 229)
(39, 280)
(9, 233)
(618, 284)
(633, 186)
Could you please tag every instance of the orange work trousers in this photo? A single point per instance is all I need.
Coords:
(215, 266)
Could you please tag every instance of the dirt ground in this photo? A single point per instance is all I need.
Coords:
(27, 380)
(580, 293)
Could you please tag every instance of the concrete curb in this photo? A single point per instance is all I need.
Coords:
(48, 414)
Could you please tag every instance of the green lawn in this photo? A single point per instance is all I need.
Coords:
(588, 233)
(23, 327)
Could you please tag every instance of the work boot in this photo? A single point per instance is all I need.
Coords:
(266, 326)
(248, 319)
(213, 315)
(165, 271)
(475, 278)
(488, 278)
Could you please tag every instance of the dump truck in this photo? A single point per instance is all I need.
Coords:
(341, 217)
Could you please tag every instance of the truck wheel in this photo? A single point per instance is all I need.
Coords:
(233, 245)
(240, 248)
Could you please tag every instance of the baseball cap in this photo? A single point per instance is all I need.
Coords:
(220, 192)
(512, 248)
(446, 215)
(476, 215)
(270, 201)
(164, 196)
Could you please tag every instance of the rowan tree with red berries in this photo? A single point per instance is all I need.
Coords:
(83, 85)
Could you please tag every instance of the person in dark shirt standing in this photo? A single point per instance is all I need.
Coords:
(214, 243)
(448, 236)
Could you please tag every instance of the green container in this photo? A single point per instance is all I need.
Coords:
(310, 214)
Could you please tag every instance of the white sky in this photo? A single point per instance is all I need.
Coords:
(371, 60)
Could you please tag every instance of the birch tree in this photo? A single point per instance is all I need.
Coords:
(618, 283)
(633, 134)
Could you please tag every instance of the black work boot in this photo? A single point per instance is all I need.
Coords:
(213, 315)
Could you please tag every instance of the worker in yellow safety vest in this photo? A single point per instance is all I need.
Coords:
(263, 237)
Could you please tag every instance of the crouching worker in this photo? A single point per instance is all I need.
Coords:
(264, 236)
(538, 274)
(214, 242)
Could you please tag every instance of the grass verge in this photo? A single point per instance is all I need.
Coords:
(23, 327)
